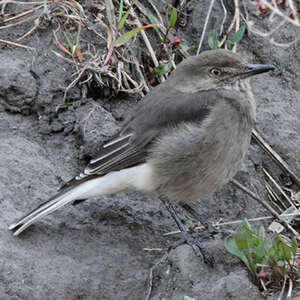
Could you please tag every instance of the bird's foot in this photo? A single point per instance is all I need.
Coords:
(191, 240)
(199, 249)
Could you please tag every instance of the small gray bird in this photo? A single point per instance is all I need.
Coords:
(184, 141)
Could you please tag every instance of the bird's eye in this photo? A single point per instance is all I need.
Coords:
(215, 71)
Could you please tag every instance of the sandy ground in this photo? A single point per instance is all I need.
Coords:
(96, 250)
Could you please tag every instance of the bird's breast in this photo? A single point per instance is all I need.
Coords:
(194, 160)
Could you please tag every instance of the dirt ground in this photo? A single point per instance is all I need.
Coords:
(98, 249)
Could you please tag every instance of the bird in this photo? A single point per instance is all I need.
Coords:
(182, 142)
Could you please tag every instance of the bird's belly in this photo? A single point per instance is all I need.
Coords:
(191, 169)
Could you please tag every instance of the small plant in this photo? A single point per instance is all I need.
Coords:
(188, 298)
(168, 44)
(213, 41)
(270, 265)
(170, 24)
(278, 4)
(114, 30)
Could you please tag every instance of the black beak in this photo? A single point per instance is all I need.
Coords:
(257, 69)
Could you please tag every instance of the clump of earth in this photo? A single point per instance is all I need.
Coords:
(107, 248)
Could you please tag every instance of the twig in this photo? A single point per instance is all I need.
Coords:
(157, 13)
(250, 26)
(16, 44)
(264, 203)
(205, 25)
(161, 26)
(36, 25)
(253, 220)
(281, 14)
(280, 189)
(217, 224)
(73, 83)
(61, 46)
(289, 293)
(25, 13)
(146, 40)
(252, 195)
(293, 9)
(153, 249)
(90, 113)
(138, 68)
(237, 18)
(21, 3)
(161, 260)
(273, 196)
(274, 155)
(262, 283)
(70, 61)
(224, 18)
(138, 87)
(17, 23)
(228, 30)
(284, 45)
(283, 288)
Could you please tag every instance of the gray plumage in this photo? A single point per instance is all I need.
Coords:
(186, 138)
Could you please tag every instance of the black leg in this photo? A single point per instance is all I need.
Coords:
(200, 218)
(192, 241)
(196, 215)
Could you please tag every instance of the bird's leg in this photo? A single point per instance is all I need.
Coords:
(208, 227)
(199, 218)
(190, 240)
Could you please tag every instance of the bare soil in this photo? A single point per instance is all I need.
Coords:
(96, 250)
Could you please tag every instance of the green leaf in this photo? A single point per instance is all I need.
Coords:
(238, 35)
(272, 253)
(63, 106)
(124, 18)
(262, 233)
(78, 36)
(213, 41)
(167, 12)
(294, 246)
(246, 223)
(153, 20)
(280, 263)
(121, 10)
(188, 298)
(262, 248)
(276, 241)
(109, 14)
(252, 265)
(282, 252)
(230, 44)
(184, 46)
(260, 253)
(298, 159)
(128, 35)
(245, 239)
(173, 18)
(161, 69)
(70, 44)
(231, 246)
(285, 251)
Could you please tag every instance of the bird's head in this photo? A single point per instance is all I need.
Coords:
(214, 68)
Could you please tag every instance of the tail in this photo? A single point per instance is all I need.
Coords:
(73, 191)
(79, 189)
(54, 203)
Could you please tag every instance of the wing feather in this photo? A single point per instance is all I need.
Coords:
(130, 146)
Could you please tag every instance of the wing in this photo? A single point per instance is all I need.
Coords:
(161, 109)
